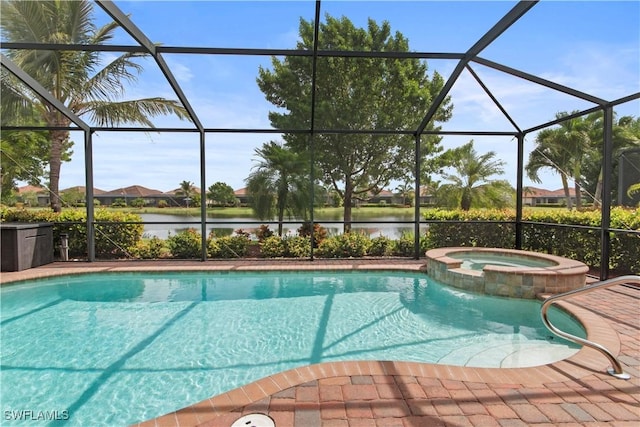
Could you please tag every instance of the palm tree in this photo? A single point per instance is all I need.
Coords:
(278, 185)
(471, 184)
(564, 150)
(78, 79)
(186, 190)
(625, 135)
(549, 155)
(405, 190)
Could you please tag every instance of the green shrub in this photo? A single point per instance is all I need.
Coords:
(153, 248)
(119, 203)
(494, 228)
(113, 240)
(297, 246)
(380, 246)
(138, 202)
(185, 244)
(319, 232)
(228, 246)
(404, 246)
(544, 231)
(329, 248)
(347, 245)
(263, 232)
(273, 247)
(162, 203)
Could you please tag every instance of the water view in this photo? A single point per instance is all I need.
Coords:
(390, 226)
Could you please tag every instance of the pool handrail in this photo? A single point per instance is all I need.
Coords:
(616, 370)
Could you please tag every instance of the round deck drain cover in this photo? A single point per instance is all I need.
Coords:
(254, 420)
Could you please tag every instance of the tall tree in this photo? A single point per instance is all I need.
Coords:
(625, 135)
(562, 149)
(471, 185)
(574, 150)
(354, 94)
(23, 157)
(405, 190)
(221, 194)
(551, 156)
(78, 79)
(187, 190)
(279, 184)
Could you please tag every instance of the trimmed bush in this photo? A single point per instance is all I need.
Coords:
(113, 240)
(185, 244)
(404, 245)
(153, 248)
(380, 246)
(228, 246)
(263, 232)
(319, 232)
(273, 247)
(297, 246)
(347, 245)
(549, 234)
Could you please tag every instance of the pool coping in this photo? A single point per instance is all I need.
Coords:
(584, 363)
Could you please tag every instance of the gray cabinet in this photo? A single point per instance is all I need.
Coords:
(25, 245)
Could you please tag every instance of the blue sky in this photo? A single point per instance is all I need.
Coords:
(588, 45)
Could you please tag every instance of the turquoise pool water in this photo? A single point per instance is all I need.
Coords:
(114, 349)
(478, 260)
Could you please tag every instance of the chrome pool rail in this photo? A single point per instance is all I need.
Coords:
(616, 370)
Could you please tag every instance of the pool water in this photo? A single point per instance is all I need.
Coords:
(114, 349)
(478, 260)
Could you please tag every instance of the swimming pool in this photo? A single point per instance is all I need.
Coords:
(114, 349)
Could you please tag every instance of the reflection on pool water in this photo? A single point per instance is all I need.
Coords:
(114, 349)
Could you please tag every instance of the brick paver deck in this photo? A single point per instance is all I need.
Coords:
(573, 392)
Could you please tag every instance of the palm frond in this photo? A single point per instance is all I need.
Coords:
(17, 102)
(131, 112)
(634, 188)
(108, 83)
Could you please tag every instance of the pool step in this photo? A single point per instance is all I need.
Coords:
(503, 354)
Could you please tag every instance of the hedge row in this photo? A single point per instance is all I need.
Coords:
(549, 233)
(543, 231)
(112, 240)
(186, 244)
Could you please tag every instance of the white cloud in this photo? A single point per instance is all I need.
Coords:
(181, 72)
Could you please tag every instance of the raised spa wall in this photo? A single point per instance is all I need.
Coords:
(518, 282)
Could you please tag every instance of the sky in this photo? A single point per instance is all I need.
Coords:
(592, 46)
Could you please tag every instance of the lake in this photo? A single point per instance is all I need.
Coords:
(374, 226)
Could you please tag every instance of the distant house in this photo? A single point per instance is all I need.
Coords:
(385, 197)
(242, 195)
(150, 196)
(80, 194)
(26, 195)
(532, 196)
(177, 197)
(426, 196)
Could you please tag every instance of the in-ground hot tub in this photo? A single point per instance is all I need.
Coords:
(505, 272)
